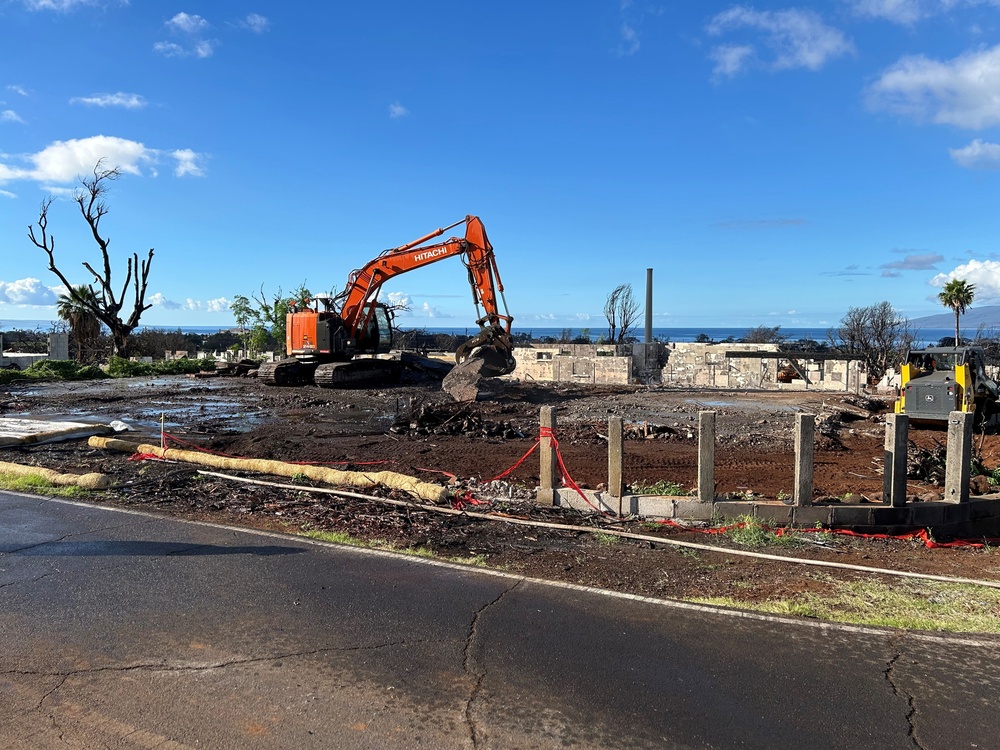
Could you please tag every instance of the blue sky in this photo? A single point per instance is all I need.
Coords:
(774, 163)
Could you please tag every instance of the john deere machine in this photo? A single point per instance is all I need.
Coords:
(939, 380)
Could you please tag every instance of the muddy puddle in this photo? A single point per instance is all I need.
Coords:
(181, 404)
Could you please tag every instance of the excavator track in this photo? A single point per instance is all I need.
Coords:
(358, 373)
(286, 372)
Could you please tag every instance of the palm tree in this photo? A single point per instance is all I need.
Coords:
(957, 294)
(84, 327)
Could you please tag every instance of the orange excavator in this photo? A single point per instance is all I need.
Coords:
(327, 340)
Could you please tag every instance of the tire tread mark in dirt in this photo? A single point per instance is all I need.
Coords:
(480, 676)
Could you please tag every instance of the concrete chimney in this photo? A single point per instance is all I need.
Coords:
(648, 338)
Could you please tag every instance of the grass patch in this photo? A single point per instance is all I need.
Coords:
(662, 487)
(909, 604)
(339, 537)
(39, 486)
(750, 532)
(607, 540)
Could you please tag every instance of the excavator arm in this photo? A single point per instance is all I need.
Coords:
(494, 342)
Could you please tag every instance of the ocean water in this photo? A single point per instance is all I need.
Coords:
(925, 337)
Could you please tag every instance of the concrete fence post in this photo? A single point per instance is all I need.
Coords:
(897, 428)
(805, 429)
(548, 473)
(958, 461)
(706, 456)
(616, 459)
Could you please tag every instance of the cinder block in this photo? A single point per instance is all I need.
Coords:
(810, 515)
(565, 498)
(957, 513)
(693, 510)
(851, 515)
(984, 508)
(731, 509)
(885, 515)
(928, 514)
(651, 506)
(777, 515)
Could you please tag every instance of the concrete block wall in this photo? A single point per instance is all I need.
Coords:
(688, 365)
(591, 364)
(706, 365)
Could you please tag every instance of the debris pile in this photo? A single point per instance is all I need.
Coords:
(447, 420)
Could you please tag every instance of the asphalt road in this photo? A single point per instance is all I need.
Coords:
(126, 630)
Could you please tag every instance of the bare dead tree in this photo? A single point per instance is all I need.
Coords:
(622, 312)
(876, 334)
(105, 305)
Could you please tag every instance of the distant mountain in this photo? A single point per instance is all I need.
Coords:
(988, 316)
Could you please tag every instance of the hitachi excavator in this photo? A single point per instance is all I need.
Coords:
(327, 340)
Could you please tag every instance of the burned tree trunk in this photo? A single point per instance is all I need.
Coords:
(106, 305)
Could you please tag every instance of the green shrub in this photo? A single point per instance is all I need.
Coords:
(52, 369)
(63, 369)
(177, 366)
(10, 376)
(119, 367)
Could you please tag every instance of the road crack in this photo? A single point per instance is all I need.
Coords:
(180, 668)
(479, 676)
(890, 677)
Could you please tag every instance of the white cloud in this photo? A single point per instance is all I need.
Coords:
(977, 155)
(191, 26)
(399, 300)
(63, 5)
(984, 274)
(120, 99)
(904, 12)
(9, 115)
(730, 59)
(219, 304)
(630, 39)
(187, 24)
(791, 39)
(187, 163)
(7, 194)
(204, 48)
(27, 291)
(161, 301)
(169, 49)
(201, 49)
(909, 12)
(257, 23)
(64, 161)
(407, 308)
(397, 110)
(19, 90)
(964, 91)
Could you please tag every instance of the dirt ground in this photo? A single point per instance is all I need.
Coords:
(415, 429)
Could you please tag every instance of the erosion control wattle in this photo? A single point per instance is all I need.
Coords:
(424, 490)
(91, 481)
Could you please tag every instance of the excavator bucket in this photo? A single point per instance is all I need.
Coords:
(486, 356)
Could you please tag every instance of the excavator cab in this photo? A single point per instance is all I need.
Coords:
(376, 337)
